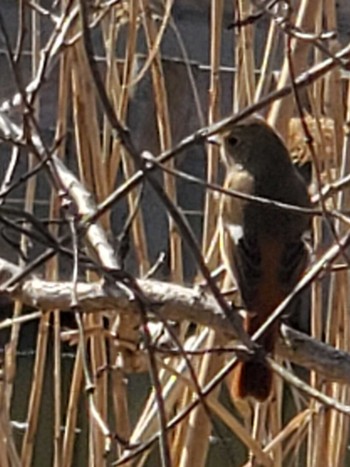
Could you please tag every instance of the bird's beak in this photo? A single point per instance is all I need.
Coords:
(216, 139)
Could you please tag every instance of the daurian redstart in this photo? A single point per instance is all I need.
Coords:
(261, 245)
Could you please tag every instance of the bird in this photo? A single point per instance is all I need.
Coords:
(262, 246)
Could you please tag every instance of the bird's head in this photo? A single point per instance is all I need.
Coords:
(251, 145)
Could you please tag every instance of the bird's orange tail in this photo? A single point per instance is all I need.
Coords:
(254, 378)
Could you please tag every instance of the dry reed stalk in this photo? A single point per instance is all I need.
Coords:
(72, 411)
(289, 433)
(258, 422)
(184, 393)
(281, 111)
(210, 202)
(317, 304)
(52, 265)
(110, 30)
(120, 91)
(244, 80)
(57, 384)
(315, 92)
(36, 391)
(119, 392)
(57, 378)
(118, 87)
(164, 131)
(11, 351)
(240, 431)
(86, 126)
(338, 425)
(196, 440)
(93, 174)
(268, 62)
(175, 379)
(274, 416)
(316, 427)
(333, 99)
(296, 439)
(42, 337)
(3, 453)
(8, 452)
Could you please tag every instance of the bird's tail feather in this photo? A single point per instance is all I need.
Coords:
(253, 378)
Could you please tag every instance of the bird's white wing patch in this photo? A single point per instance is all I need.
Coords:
(235, 231)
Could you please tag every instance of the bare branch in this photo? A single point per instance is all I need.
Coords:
(174, 302)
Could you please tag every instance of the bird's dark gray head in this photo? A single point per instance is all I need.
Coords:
(254, 146)
(255, 149)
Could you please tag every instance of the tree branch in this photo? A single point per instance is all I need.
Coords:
(174, 302)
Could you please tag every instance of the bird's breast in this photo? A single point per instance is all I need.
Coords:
(232, 207)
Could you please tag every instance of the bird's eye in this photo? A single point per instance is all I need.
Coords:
(232, 140)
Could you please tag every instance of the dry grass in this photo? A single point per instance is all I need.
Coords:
(293, 429)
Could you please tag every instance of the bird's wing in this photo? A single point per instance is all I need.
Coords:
(293, 262)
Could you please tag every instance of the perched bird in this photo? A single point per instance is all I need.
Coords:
(261, 245)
